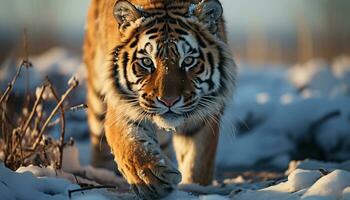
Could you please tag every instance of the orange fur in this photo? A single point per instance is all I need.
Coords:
(135, 146)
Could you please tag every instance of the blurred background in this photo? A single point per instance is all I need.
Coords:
(293, 89)
(259, 31)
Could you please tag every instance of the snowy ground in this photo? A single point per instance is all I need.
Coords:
(283, 115)
(278, 115)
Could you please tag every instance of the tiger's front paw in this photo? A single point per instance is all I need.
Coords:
(158, 179)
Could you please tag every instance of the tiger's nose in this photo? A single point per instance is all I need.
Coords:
(168, 101)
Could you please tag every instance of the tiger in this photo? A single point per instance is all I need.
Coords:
(157, 66)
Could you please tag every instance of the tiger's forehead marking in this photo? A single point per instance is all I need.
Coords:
(167, 41)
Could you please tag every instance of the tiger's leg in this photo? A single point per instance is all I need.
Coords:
(195, 149)
(101, 156)
(165, 139)
(139, 157)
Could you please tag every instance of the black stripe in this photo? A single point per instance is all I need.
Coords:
(155, 13)
(151, 31)
(117, 84)
(210, 59)
(172, 21)
(143, 52)
(175, 52)
(98, 116)
(134, 57)
(199, 88)
(115, 73)
(179, 13)
(201, 55)
(150, 24)
(200, 41)
(210, 83)
(211, 63)
(221, 65)
(199, 80)
(175, 7)
(125, 66)
(134, 68)
(184, 25)
(180, 31)
(223, 75)
(134, 42)
(139, 80)
(153, 37)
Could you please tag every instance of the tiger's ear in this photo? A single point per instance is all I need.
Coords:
(125, 13)
(209, 13)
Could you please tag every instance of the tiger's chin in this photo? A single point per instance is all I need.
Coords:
(169, 121)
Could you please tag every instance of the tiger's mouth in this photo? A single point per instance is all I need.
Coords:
(170, 115)
(169, 120)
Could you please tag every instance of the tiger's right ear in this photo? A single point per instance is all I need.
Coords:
(125, 13)
(209, 13)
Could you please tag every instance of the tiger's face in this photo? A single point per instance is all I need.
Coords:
(170, 65)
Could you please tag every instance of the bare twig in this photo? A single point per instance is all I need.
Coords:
(72, 85)
(10, 85)
(22, 135)
(77, 107)
(70, 192)
(26, 63)
(36, 104)
(63, 124)
(54, 123)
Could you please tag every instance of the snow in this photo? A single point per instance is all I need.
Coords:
(303, 185)
(213, 197)
(329, 187)
(278, 114)
(72, 170)
(26, 185)
(281, 108)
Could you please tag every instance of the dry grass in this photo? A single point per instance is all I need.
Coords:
(24, 135)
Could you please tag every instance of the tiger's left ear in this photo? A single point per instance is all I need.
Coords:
(209, 12)
(125, 13)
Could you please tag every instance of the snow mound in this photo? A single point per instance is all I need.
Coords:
(283, 114)
(303, 185)
(26, 186)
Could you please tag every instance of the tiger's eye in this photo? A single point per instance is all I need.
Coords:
(188, 60)
(147, 61)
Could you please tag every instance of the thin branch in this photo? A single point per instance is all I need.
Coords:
(11, 84)
(36, 104)
(72, 85)
(90, 188)
(77, 107)
(63, 124)
(26, 62)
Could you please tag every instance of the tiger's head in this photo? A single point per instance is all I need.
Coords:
(172, 63)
